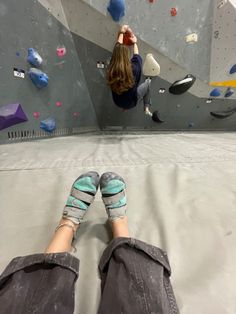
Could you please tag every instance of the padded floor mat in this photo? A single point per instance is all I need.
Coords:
(181, 197)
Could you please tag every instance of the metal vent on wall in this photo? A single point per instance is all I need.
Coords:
(33, 134)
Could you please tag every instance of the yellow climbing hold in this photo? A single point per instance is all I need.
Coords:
(231, 83)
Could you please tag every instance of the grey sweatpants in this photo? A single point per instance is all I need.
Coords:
(134, 280)
(143, 93)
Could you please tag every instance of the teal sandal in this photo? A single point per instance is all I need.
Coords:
(82, 195)
(112, 187)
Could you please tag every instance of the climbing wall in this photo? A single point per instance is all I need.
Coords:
(94, 42)
(164, 25)
(66, 99)
(223, 54)
(75, 39)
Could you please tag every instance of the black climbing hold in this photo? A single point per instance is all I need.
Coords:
(229, 92)
(233, 69)
(181, 86)
(156, 117)
(223, 114)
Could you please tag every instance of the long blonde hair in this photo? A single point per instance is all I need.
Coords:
(120, 75)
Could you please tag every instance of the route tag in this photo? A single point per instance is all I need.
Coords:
(19, 73)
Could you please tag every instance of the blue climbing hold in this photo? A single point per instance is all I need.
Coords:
(233, 69)
(39, 78)
(48, 125)
(117, 9)
(216, 92)
(191, 125)
(34, 58)
(229, 92)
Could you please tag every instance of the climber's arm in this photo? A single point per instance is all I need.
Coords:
(121, 33)
(136, 51)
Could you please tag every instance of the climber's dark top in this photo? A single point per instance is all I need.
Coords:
(128, 100)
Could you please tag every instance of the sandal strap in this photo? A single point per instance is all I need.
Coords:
(75, 212)
(114, 198)
(82, 196)
(65, 224)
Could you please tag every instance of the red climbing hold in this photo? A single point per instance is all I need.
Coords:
(58, 104)
(128, 36)
(173, 11)
(61, 51)
(151, 1)
(36, 114)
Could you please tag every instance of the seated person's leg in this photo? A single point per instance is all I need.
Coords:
(44, 283)
(135, 275)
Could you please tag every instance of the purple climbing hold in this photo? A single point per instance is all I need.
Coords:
(233, 69)
(117, 9)
(229, 92)
(216, 92)
(39, 78)
(48, 125)
(10, 115)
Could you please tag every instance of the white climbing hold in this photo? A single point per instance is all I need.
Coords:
(221, 3)
(151, 66)
(191, 38)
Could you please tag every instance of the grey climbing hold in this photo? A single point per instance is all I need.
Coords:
(216, 92)
(10, 115)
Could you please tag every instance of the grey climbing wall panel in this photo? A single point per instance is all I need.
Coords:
(182, 112)
(223, 54)
(27, 24)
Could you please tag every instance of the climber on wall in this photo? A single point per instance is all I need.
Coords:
(124, 73)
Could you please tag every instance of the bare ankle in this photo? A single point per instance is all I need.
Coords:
(68, 221)
(120, 227)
